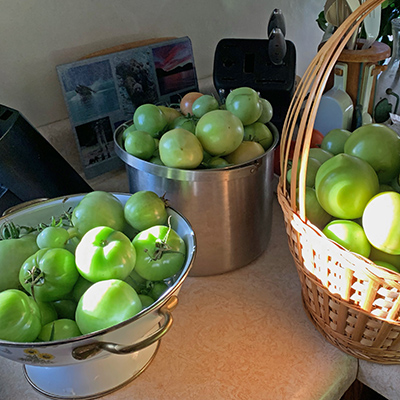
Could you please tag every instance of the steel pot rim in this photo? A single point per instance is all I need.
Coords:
(187, 174)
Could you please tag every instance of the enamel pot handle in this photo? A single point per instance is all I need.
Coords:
(89, 350)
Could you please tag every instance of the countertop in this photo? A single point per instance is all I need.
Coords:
(239, 335)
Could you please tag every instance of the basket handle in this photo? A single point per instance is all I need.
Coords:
(303, 108)
(89, 350)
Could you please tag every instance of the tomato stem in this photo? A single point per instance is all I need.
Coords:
(164, 199)
(73, 232)
(162, 246)
(64, 220)
(35, 277)
(9, 230)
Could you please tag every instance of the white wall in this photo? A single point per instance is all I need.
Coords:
(37, 35)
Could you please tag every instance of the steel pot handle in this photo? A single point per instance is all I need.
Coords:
(91, 349)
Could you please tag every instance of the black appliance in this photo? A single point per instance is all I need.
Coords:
(30, 167)
(266, 65)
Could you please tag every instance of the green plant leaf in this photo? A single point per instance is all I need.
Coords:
(321, 21)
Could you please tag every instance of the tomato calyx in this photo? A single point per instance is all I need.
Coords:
(64, 220)
(35, 278)
(162, 247)
(165, 200)
(9, 230)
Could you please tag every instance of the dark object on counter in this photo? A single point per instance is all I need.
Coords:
(276, 32)
(30, 167)
(276, 47)
(276, 20)
(266, 65)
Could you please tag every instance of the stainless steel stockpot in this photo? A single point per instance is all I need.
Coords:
(230, 208)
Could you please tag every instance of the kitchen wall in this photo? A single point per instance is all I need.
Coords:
(37, 35)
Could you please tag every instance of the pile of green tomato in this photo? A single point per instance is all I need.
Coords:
(83, 272)
(201, 133)
(352, 191)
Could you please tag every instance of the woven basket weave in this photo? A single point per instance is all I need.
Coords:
(354, 303)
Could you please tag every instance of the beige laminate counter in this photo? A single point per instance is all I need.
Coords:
(241, 335)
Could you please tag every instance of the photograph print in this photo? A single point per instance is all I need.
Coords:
(136, 80)
(174, 65)
(89, 89)
(96, 141)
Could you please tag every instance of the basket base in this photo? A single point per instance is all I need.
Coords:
(354, 349)
(90, 379)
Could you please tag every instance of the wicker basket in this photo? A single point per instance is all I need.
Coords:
(354, 303)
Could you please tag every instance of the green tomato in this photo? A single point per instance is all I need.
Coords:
(379, 146)
(47, 312)
(79, 288)
(65, 308)
(104, 253)
(105, 304)
(170, 113)
(378, 255)
(381, 222)
(126, 131)
(314, 212)
(180, 148)
(150, 118)
(157, 289)
(49, 274)
(59, 329)
(187, 101)
(344, 184)
(395, 184)
(161, 253)
(267, 111)
(137, 282)
(319, 154)
(220, 132)
(348, 234)
(52, 237)
(13, 253)
(217, 162)
(246, 151)
(146, 300)
(387, 265)
(260, 133)
(203, 105)
(384, 187)
(245, 103)
(145, 209)
(156, 160)
(313, 166)
(334, 141)
(140, 144)
(98, 208)
(183, 122)
(72, 243)
(20, 317)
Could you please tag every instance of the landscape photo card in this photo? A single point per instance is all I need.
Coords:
(103, 92)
